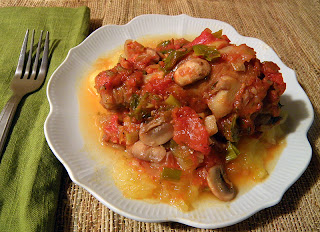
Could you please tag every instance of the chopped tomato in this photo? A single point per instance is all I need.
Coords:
(140, 56)
(172, 44)
(252, 97)
(133, 49)
(158, 86)
(274, 77)
(111, 129)
(134, 81)
(206, 37)
(271, 72)
(171, 162)
(111, 78)
(190, 130)
(237, 55)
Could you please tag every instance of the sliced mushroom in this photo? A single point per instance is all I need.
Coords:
(191, 71)
(219, 184)
(147, 153)
(156, 132)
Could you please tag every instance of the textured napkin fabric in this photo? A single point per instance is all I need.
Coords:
(29, 172)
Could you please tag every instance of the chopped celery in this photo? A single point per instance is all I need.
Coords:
(217, 34)
(131, 137)
(139, 107)
(173, 144)
(232, 152)
(186, 163)
(171, 174)
(173, 57)
(229, 128)
(149, 106)
(162, 46)
(209, 53)
(214, 85)
(134, 101)
(172, 101)
(182, 154)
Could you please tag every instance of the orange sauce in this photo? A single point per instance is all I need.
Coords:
(90, 109)
(254, 163)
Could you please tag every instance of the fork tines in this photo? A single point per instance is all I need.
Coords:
(44, 62)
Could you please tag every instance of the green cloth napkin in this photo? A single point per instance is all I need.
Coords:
(29, 172)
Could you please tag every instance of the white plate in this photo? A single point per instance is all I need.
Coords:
(64, 137)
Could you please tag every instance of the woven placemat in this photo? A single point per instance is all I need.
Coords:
(291, 28)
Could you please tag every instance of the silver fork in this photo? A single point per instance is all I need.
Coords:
(23, 82)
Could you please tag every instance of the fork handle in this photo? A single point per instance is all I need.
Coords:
(6, 118)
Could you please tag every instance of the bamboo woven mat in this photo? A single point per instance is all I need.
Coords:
(291, 28)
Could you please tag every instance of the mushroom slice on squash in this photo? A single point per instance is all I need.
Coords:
(219, 184)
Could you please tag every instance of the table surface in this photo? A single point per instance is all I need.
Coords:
(291, 28)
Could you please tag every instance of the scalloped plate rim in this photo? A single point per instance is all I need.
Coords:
(184, 220)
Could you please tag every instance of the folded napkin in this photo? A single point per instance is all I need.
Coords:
(29, 172)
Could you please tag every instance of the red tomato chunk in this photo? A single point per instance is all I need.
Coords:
(189, 130)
